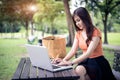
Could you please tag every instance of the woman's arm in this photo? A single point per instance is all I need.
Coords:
(72, 51)
(91, 48)
(69, 55)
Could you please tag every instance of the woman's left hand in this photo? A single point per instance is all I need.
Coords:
(64, 63)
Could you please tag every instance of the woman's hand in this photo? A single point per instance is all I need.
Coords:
(65, 63)
(56, 61)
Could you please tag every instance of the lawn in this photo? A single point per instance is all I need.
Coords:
(11, 50)
(113, 38)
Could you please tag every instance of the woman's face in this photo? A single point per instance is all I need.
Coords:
(79, 22)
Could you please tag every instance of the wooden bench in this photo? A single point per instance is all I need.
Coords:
(25, 71)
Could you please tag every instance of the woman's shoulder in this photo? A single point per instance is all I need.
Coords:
(96, 31)
(96, 28)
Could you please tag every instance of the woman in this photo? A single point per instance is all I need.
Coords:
(91, 64)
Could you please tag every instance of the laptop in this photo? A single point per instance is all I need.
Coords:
(39, 57)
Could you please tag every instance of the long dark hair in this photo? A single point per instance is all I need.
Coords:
(85, 17)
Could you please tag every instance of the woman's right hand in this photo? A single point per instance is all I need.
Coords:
(56, 60)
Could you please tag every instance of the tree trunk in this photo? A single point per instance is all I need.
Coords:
(11, 30)
(26, 25)
(69, 23)
(105, 28)
(31, 23)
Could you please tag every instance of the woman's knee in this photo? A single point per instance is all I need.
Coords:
(80, 70)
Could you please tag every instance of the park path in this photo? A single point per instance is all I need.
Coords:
(115, 47)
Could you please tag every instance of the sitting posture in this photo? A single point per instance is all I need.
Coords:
(91, 65)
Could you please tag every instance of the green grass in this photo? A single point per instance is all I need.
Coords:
(113, 38)
(109, 56)
(11, 50)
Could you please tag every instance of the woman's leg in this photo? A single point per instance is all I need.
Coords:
(81, 71)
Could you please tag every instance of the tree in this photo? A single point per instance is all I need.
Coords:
(8, 14)
(48, 11)
(115, 14)
(16, 10)
(25, 14)
(69, 22)
(106, 7)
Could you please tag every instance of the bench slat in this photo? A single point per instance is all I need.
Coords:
(73, 74)
(26, 70)
(19, 69)
(41, 73)
(49, 74)
(33, 72)
(66, 73)
(58, 74)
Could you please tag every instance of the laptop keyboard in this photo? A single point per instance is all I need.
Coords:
(55, 67)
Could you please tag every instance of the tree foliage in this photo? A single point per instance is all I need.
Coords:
(48, 11)
(106, 7)
(16, 10)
